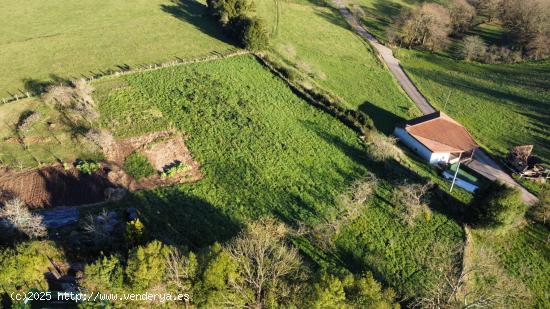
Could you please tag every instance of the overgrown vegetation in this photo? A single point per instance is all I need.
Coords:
(138, 166)
(174, 169)
(235, 17)
(497, 205)
(256, 269)
(87, 167)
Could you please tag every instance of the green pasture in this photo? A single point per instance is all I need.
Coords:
(50, 40)
(263, 151)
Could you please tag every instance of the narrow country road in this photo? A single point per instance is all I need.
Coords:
(482, 162)
(387, 56)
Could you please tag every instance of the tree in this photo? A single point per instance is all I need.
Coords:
(462, 15)
(16, 219)
(328, 292)
(249, 32)
(381, 147)
(265, 263)
(496, 206)
(488, 8)
(527, 21)
(225, 10)
(147, 265)
(539, 47)
(105, 275)
(428, 25)
(474, 48)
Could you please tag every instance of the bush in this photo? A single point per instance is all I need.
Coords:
(135, 232)
(496, 206)
(138, 166)
(105, 275)
(249, 32)
(17, 219)
(147, 265)
(474, 48)
(174, 169)
(87, 167)
(26, 264)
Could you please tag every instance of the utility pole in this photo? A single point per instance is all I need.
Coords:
(456, 173)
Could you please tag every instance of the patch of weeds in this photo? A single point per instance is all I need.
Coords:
(173, 169)
(138, 166)
(87, 167)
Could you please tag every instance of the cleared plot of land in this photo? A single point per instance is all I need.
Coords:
(316, 40)
(263, 151)
(42, 40)
(501, 105)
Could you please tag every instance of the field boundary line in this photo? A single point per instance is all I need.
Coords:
(138, 69)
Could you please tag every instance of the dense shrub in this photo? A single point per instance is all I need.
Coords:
(26, 264)
(235, 17)
(497, 206)
(225, 10)
(87, 167)
(105, 275)
(138, 166)
(174, 169)
(249, 32)
(147, 265)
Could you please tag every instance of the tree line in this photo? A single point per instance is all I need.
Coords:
(430, 25)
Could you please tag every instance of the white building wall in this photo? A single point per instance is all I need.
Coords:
(420, 149)
(440, 157)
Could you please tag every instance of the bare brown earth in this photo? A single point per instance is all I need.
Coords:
(54, 185)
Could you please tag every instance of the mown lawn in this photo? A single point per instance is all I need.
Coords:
(263, 151)
(501, 105)
(316, 39)
(44, 40)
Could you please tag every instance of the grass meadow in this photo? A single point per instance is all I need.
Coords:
(524, 253)
(46, 140)
(48, 40)
(501, 105)
(263, 151)
(315, 39)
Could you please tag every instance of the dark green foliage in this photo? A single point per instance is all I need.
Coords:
(496, 206)
(361, 291)
(147, 265)
(249, 32)
(138, 166)
(225, 10)
(27, 263)
(104, 275)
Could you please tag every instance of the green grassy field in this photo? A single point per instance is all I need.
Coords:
(46, 140)
(524, 253)
(335, 58)
(501, 105)
(44, 40)
(264, 151)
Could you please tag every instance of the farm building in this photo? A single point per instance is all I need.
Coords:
(437, 138)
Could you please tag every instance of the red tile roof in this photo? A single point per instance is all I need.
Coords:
(440, 133)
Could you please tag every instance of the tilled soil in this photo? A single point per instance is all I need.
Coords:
(54, 186)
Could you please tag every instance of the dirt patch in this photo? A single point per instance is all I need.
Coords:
(54, 186)
(117, 150)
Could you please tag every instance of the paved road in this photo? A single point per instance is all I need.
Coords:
(387, 56)
(481, 163)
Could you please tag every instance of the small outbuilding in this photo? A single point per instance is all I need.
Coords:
(437, 138)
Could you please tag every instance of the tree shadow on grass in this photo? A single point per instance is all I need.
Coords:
(195, 13)
(384, 121)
